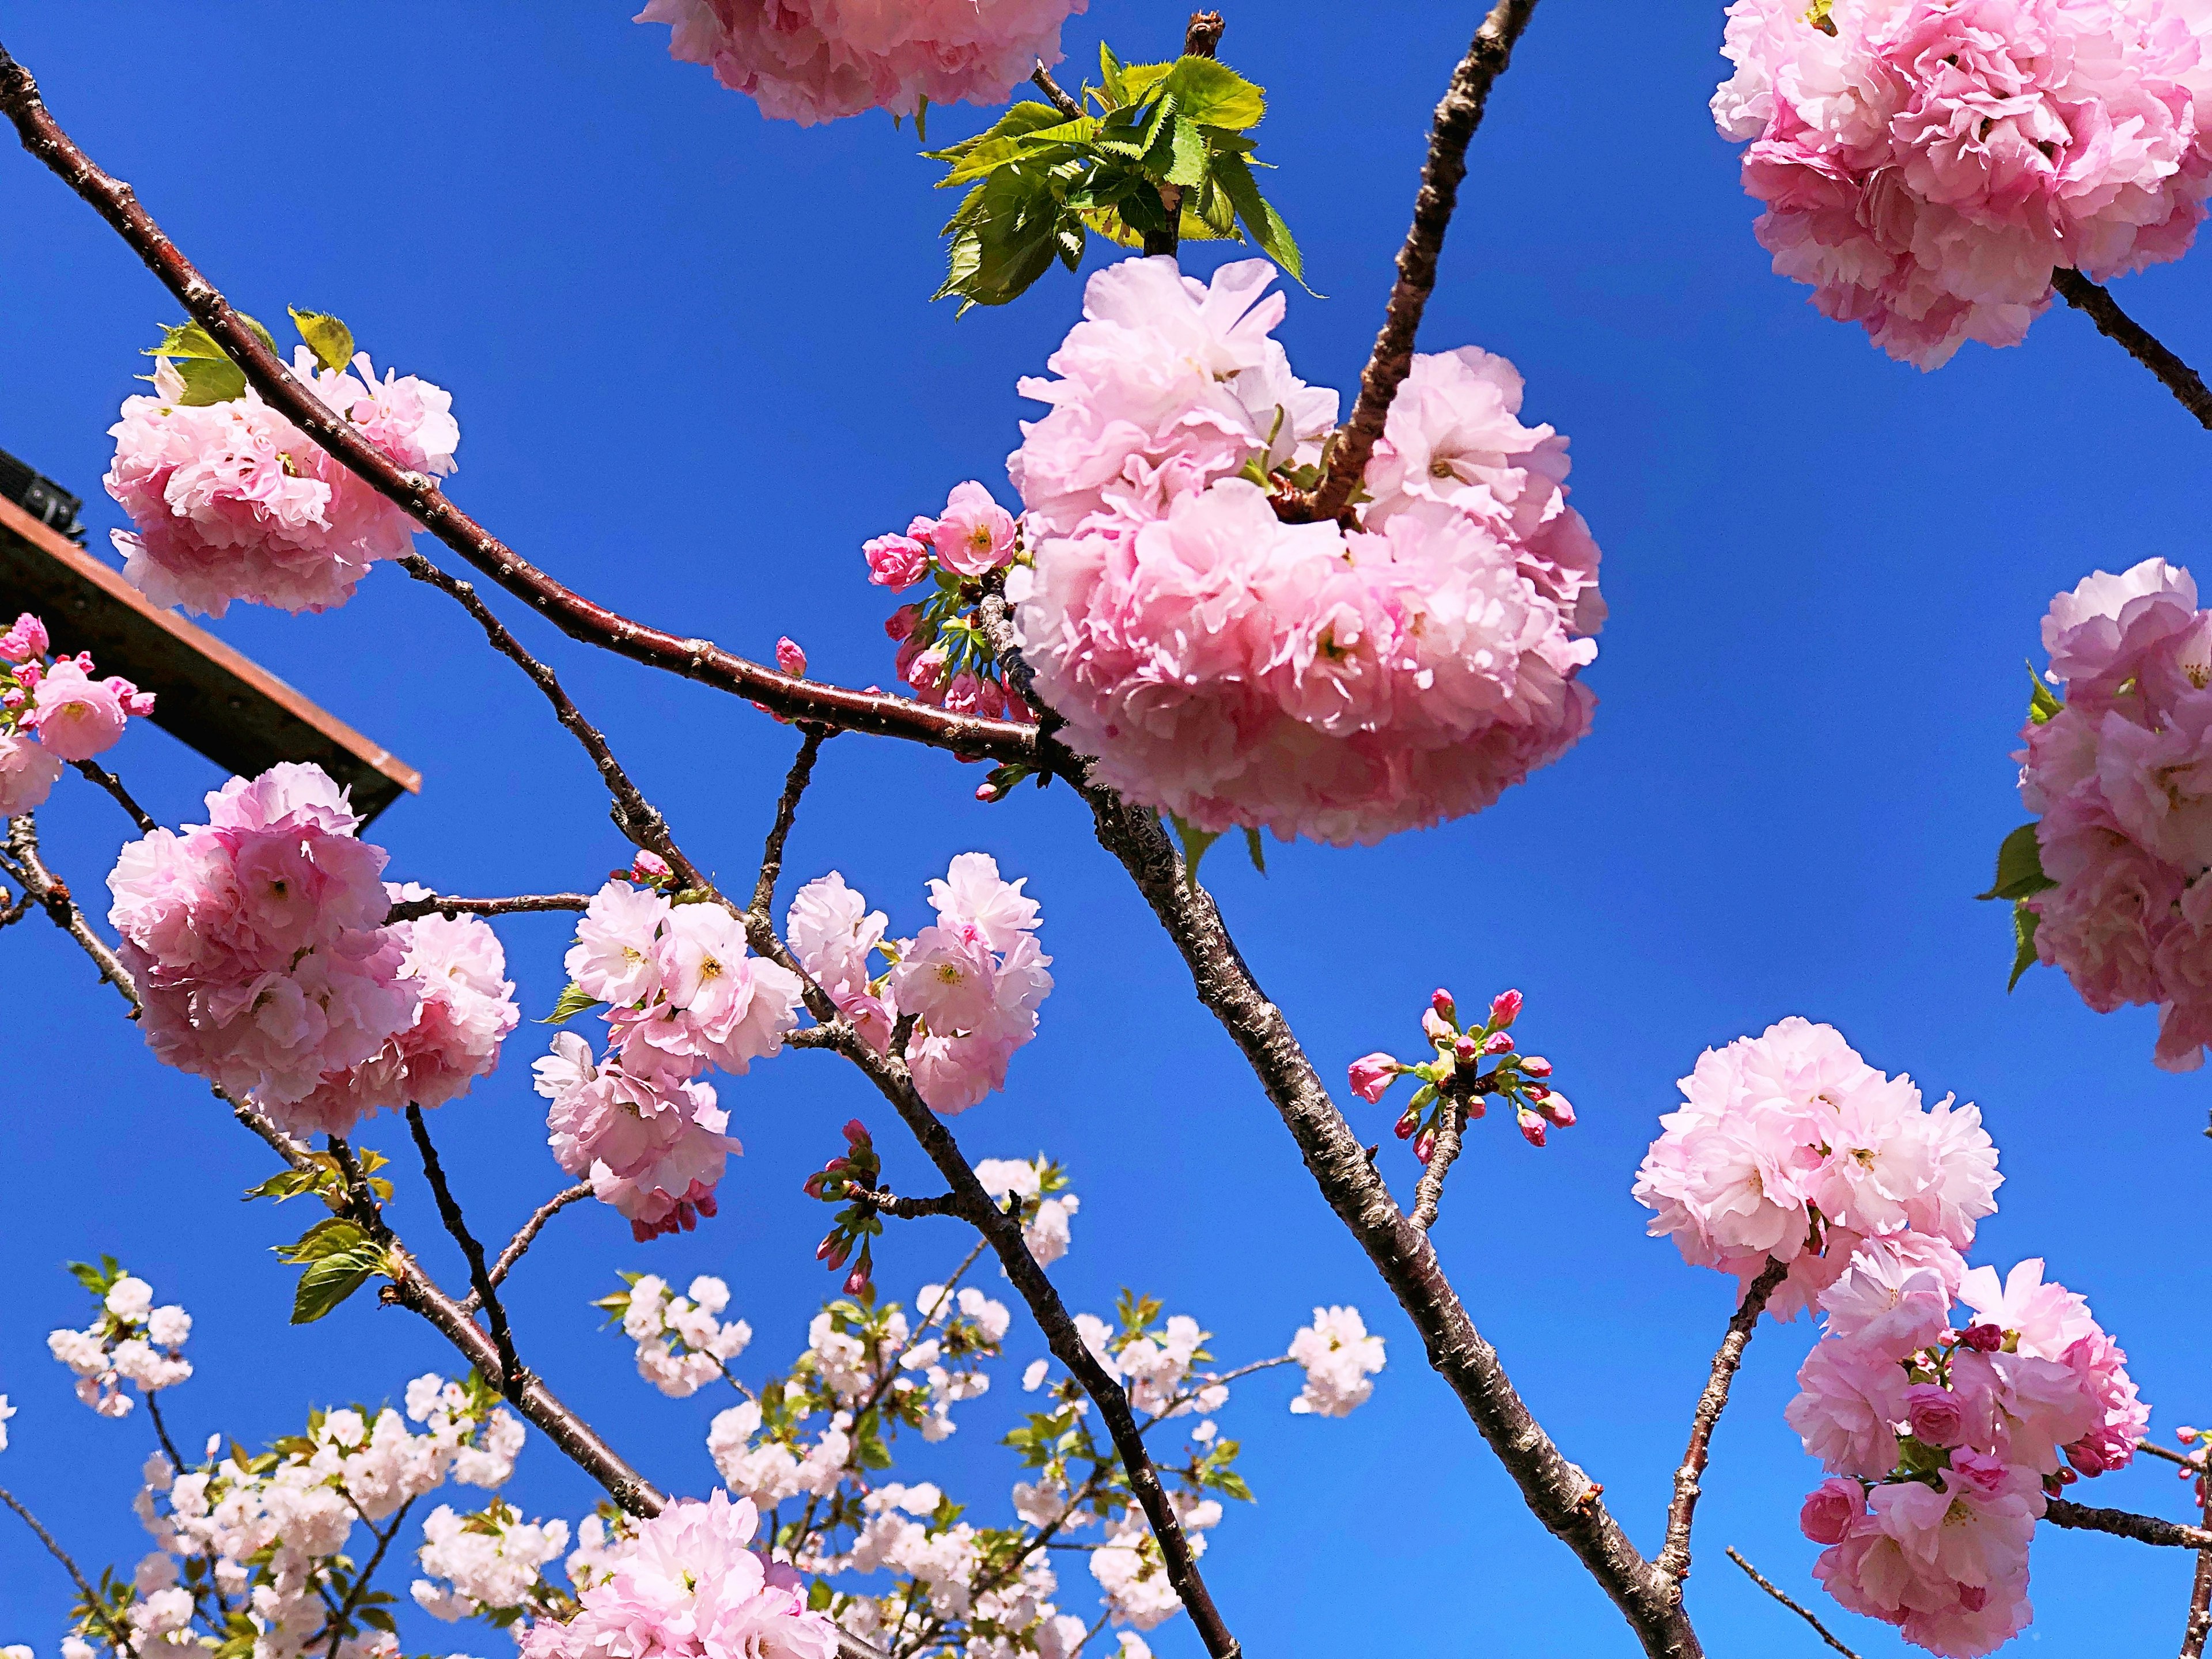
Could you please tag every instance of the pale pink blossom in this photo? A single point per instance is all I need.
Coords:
(976, 980)
(77, 716)
(652, 1149)
(816, 60)
(1372, 1074)
(1925, 165)
(25, 640)
(28, 772)
(834, 934)
(974, 535)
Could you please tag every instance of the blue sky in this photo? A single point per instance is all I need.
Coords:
(694, 369)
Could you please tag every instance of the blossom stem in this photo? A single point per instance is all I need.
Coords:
(161, 1432)
(341, 1623)
(1674, 1559)
(107, 781)
(1759, 1579)
(2140, 344)
(2153, 1449)
(118, 1638)
(2125, 1523)
(786, 812)
(421, 498)
(527, 1235)
(441, 904)
(512, 1374)
(635, 816)
(1456, 118)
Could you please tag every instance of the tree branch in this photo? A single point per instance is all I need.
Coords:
(786, 812)
(340, 1621)
(118, 1638)
(910, 1209)
(2198, 1625)
(421, 498)
(1674, 1559)
(107, 781)
(53, 896)
(2140, 344)
(1451, 1135)
(1456, 118)
(512, 1373)
(1758, 1578)
(527, 1235)
(2125, 1523)
(1042, 78)
(439, 905)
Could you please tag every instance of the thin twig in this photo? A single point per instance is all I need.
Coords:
(161, 1432)
(1674, 1559)
(635, 816)
(2187, 1461)
(2125, 1523)
(527, 1235)
(420, 497)
(2140, 344)
(107, 781)
(340, 1621)
(1759, 1579)
(1042, 78)
(512, 1375)
(118, 1638)
(441, 904)
(787, 811)
(53, 896)
(1456, 118)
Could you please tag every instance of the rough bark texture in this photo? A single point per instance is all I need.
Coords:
(1674, 1559)
(2125, 1523)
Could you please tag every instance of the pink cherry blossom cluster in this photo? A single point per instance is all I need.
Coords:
(817, 60)
(942, 653)
(52, 712)
(1790, 1147)
(973, 980)
(1943, 1439)
(1314, 679)
(1926, 164)
(1453, 1079)
(2120, 780)
(230, 501)
(688, 1585)
(684, 993)
(258, 941)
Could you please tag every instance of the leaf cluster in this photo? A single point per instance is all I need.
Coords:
(210, 376)
(340, 1257)
(1167, 150)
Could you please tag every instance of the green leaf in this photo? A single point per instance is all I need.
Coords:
(1006, 235)
(331, 340)
(378, 1619)
(2023, 924)
(1211, 93)
(1018, 122)
(1265, 225)
(982, 157)
(1258, 854)
(1141, 82)
(210, 381)
(1195, 844)
(287, 1183)
(1187, 154)
(574, 1001)
(340, 1258)
(1109, 71)
(2019, 867)
(99, 1279)
(186, 340)
(2042, 701)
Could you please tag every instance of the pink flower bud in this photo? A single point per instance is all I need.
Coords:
(1018, 711)
(856, 1132)
(902, 622)
(1372, 1074)
(2186, 1435)
(1981, 1473)
(1532, 1126)
(650, 868)
(1983, 1338)
(987, 793)
(1441, 1001)
(1438, 1030)
(1536, 1091)
(896, 562)
(1935, 1415)
(1466, 1048)
(1535, 1066)
(1504, 1009)
(1425, 1147)
(1406, 1124)
(857, 1280)
(1556, 1109)
(790, 659)
(1831, 1510)
(832, 1251)
(1498, 1042)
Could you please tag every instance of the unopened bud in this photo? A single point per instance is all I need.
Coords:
(1504, 1009)
(1425, 1147)
(1498, 1042)
(2186, 1435)
(856, 1132)
(1466, 1048)
(1536, 1091)
(857, 1280)
(1438, 1030)
(1532, 1126)
(790, 659)
(831, 1251)
(1407, 1124)
(1441, 1001)
(1556, 1110)
(1535, 1066)
(1983, 1338)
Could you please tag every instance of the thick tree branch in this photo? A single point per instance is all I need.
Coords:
(2140, 344)
(2125, 1523)
(107, 781)
(577, 617)
(1456, 118)
(1759, 1579)
(2198, 1625)
(1674, 1559)
(439, 905)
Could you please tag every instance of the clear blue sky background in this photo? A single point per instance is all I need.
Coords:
(695, 367)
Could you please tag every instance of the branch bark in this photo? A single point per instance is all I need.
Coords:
(2199, 1623)
(1759, 1579)
(118, 1638)
(1456, 118)
(486, 1295)
(1674, 1559)
(2140, 344)
(786, 814)
(2125, 1523)
(575, 616)
(441, 904)
(1451, 1135)
(106, 780)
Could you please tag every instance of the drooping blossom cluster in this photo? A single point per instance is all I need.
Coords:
(683, 1343)
(1454, 1080)
(258, 943)
(230, 501)
(1925, 165)
(2119, 779)
(944, 654)
(1942, 1437)
(1239, 670)
(129, 1340)
(973, 980)
(684, 993)
(1790, 1147)
(52, 710)
(816, 60)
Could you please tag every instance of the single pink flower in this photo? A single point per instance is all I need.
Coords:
(896, 562)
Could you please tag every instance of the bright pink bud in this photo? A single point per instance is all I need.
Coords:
(790, 659)
(902, 622)
(1504, 1009)
(1406, 1124)
(1536, 1091)
(857, 1280)
(1831, 1510)
(1498, 1042)
(1532, 1126)
(1372, 1074)
(896, 562)
(2187, 1437)
(1934, 1415)
(1556, 1110)
(831, 1251)
(1983, 1338)
(1425, 1147)
(1441, 1001)
(987, 793)
(1466, 1048)
(1018, 711)
(1535, 1066)
(856, 1132)
(650, 868)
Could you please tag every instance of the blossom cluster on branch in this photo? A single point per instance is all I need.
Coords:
(1454, 1078)
(943, 654)
(258, 943)
(2110, 880)
(1925, 165)
(52, 710)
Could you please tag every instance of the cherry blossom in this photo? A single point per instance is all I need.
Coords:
(52, 712)
(1339, 1358)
